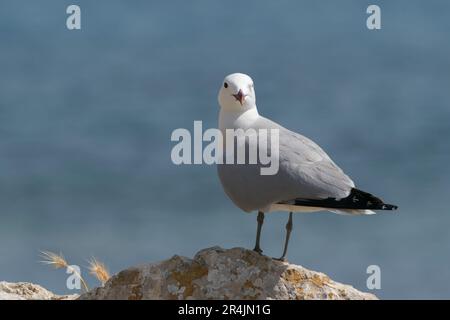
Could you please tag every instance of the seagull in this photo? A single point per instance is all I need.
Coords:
(307, 179)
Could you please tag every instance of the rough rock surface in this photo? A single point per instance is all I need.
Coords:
(216, 273)
(28, 291)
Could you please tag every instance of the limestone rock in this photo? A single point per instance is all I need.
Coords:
(216, 273)
(28, 291)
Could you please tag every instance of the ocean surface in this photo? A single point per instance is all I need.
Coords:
(86, 118)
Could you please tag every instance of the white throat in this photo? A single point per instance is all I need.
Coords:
(237, 119)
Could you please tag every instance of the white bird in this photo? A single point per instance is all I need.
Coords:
(307, 179)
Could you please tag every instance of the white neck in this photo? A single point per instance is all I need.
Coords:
(231, 119)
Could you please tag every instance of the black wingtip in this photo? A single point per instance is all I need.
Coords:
(371, 201)
(386, 206)
(357, 199)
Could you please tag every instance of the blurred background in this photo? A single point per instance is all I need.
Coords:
(86, 118)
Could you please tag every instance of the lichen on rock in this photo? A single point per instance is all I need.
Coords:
(216, 273)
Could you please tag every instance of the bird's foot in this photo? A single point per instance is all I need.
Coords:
(282, 259)
(258, 249)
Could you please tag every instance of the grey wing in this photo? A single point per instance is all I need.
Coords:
(305, 171)
(313, 173)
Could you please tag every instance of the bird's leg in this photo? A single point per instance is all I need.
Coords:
(260, 220)
(288, 234)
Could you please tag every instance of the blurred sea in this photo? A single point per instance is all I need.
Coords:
(86, 118)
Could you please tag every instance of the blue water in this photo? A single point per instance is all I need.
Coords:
(86, 118)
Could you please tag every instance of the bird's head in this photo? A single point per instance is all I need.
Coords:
(237, 93)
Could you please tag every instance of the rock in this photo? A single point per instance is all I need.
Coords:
(216, 273)
(28, 291)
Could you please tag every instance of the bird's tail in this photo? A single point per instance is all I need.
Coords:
(357, 202)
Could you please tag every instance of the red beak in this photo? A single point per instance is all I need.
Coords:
(239, 97)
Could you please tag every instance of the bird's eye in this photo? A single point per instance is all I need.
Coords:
(225, 85)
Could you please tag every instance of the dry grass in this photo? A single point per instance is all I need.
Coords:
(98, 270)
(56, 260)
(59, 262)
